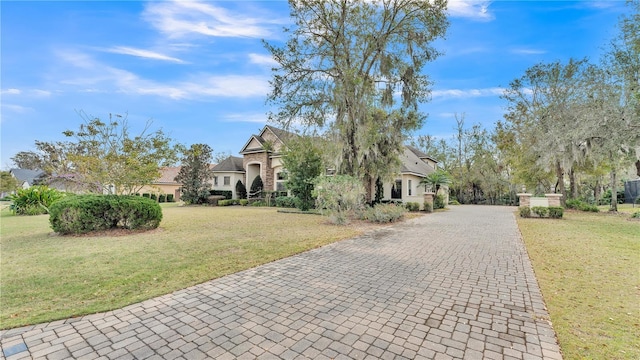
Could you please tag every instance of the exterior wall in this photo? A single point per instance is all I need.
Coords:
(269, 136)
(266, 171)
(417, 191)
(234, 177)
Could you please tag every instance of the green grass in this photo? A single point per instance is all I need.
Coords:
(45, 277)
(622, 208)
(588, 268)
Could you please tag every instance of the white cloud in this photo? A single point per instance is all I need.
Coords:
(94, 76)
(11, 92)
(259, 118)
(16, 108)
(147, 54)
(528, 51)
(180, 18)
(467, 93)
(262, 59)
(476, 10)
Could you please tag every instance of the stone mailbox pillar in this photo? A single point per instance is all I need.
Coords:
(428, 198)
(525, 199)
(554, 199)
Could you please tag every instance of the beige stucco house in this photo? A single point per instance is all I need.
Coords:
(262, 155)
(166, 184)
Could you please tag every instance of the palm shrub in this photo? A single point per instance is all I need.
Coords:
(436, 180)
(35, 200)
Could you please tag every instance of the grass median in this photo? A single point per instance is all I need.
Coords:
(45, 277)
(588, 268)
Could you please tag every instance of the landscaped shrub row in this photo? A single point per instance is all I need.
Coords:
(229, 202)
(554, 212)
(158, 197)
(228, 194)
(85, 213)
(286, 201)
(384, 213)
(412, 206)
(580, 205)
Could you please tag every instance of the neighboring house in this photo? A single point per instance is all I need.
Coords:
(227, 173)
(27, 177)
(166, 184)
(262, 155)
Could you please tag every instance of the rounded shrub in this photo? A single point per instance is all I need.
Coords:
(86, 213)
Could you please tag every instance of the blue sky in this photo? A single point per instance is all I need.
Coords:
(199, 70)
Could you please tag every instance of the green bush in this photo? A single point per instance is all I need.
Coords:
(438, 202)
(243, 202)
(35, 200)
(573, 204)
(162, 198)
(286, 201)
(170, 198)
(227, 202)
(241, 190)
(589, 208)
(228, 194)
(454, 202)
(257, 202)
(384, 213)
(428, 207)
(147, 195)
(525, 211)
(635, 215)
(556, 212)
(541, 211)
(339, 196)
(412, 206)
(154, 197)
(85, 213)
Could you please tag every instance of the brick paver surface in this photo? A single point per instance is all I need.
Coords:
(448, 285)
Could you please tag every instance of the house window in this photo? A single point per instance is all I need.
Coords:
(409, 187)
(227, 180)
(215, 181)
(396, 190)
(280, 186)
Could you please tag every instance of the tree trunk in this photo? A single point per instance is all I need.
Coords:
(573, 186)
(638, 168)
(614, 192)
(560, 188)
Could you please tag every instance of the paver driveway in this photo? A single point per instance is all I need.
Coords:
(456, 284)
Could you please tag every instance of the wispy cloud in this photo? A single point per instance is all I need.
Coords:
(147, 54)
(476, 10)
(11, 92)
(94, 76)
(179, 18)
(528, 51)
(262, 59)
(16, 108)
(467, 93)
(259, 118)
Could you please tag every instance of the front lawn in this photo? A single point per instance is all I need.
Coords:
(45, 277)
(588, 267)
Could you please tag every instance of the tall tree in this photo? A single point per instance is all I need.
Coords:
(342, 67)
(303, 161)
(196, 173)
(108, 157)
(7, 182)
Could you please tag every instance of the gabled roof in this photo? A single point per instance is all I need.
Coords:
(230, 164)
(168, 175)
(26, 175)
(420, 154)
(412, 164)
(281, 135)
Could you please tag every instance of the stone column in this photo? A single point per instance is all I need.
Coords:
(554, 199)
(525, 199)
(428, 198)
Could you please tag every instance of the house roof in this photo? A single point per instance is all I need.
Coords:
(247, 149)
(413, 164)
(230, 164)
(420, 154)
(281, 135)
(168, 175)
(26, 175)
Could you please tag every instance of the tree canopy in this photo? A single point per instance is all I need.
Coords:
(196, 173)
(355, 68)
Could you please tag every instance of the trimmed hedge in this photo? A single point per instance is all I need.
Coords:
(286, 201)
(86, 213)
(525, 211)
(228, 194)
(412, 206)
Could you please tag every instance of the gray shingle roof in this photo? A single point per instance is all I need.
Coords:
(411, 163)
(230, 164)
(26, 175)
